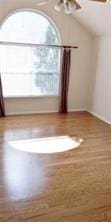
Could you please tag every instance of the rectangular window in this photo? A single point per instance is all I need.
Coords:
(29, 71)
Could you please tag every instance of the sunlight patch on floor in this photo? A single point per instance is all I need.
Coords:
(46, 145)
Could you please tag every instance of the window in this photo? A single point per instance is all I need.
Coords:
(28, 69)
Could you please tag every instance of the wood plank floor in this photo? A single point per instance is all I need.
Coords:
(72, 186)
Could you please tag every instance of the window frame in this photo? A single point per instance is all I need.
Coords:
(32, 45)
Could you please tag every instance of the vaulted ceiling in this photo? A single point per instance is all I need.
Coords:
(96, 17)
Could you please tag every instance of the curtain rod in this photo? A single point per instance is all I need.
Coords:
(39, 45)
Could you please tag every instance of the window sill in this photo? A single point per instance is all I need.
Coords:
(20, 97)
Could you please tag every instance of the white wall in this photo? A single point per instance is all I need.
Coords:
(71, 33)
(100, 82)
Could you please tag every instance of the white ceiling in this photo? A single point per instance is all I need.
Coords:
(96, 17)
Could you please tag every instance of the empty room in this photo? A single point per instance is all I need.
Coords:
(55, 111)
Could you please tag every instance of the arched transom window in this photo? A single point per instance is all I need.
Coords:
(28, 69)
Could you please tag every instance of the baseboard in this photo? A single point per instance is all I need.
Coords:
(99, 117)
(77, 110)
(31, 112)
(55, 111)
(41, 112)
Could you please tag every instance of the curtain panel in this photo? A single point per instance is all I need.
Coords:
(2, 106)
(64, 84)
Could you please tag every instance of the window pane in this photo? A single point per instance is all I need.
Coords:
(16, 84)
(28, 27)
(29, 71)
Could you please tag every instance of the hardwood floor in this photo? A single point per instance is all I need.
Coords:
(72, 186)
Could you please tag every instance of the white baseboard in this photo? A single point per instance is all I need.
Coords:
(56, 111)
(99, 117)
(30, 112)
(41, 112)
(76, 110)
